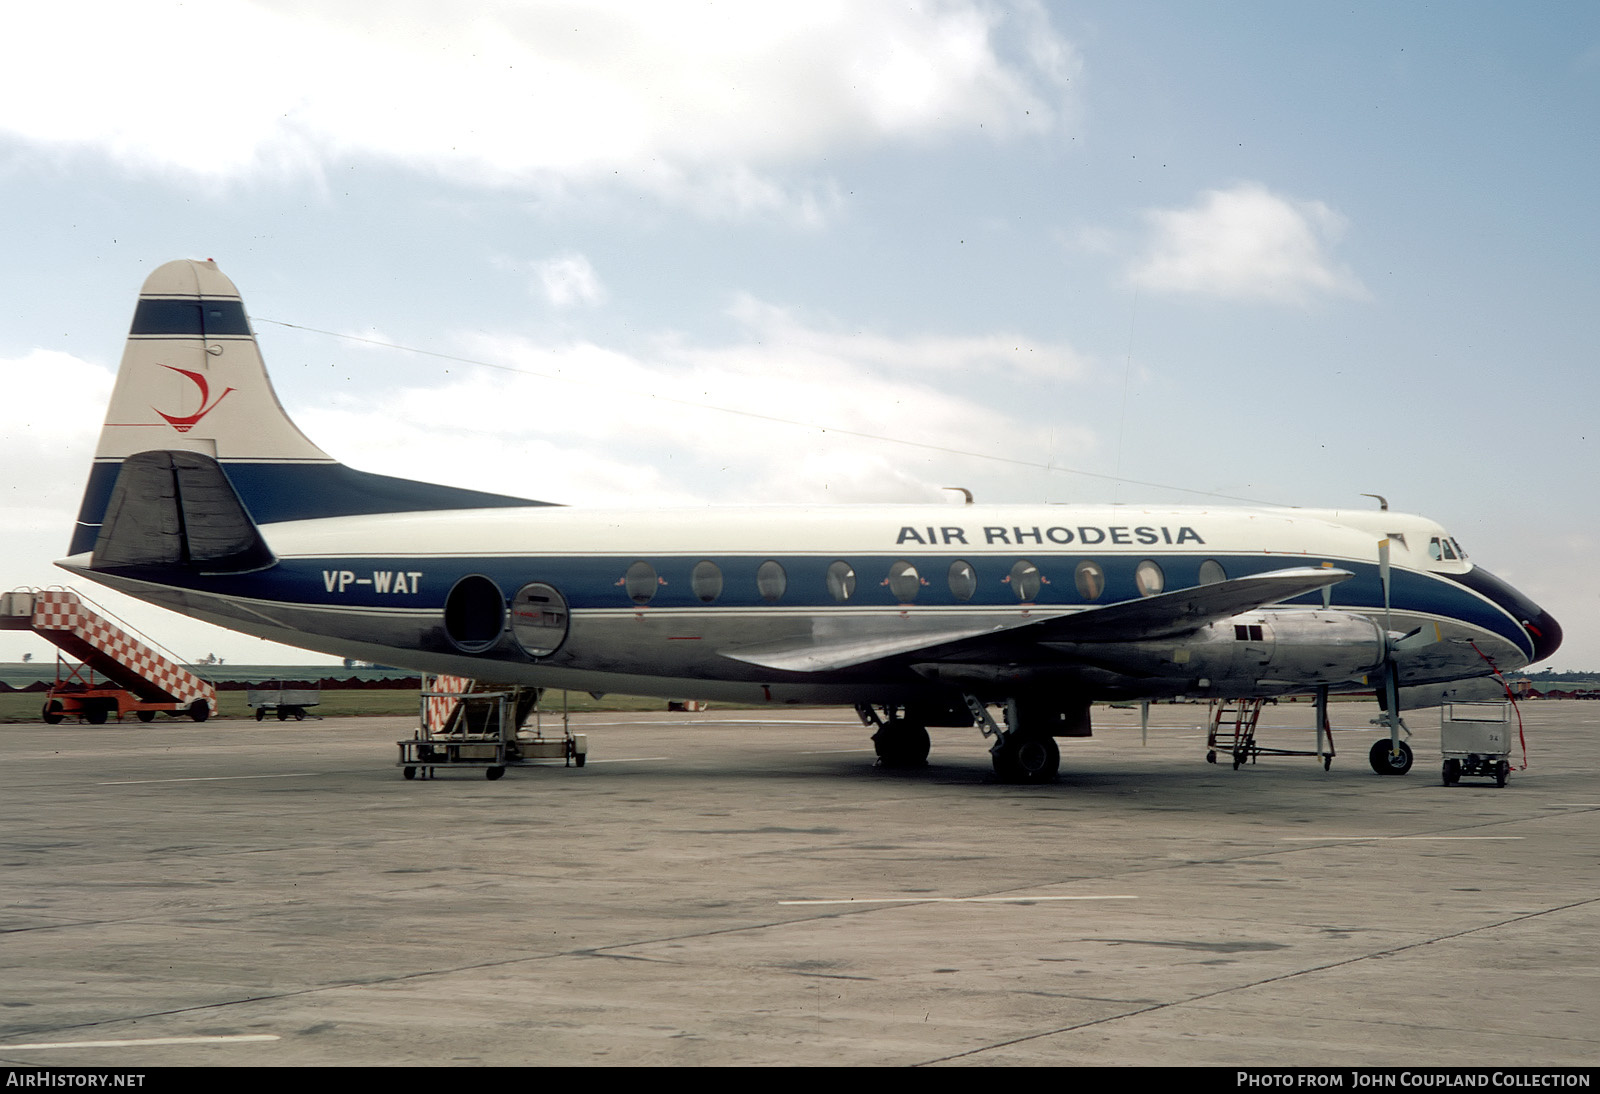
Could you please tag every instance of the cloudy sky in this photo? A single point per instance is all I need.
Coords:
(647, 253)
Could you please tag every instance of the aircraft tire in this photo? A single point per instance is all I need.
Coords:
(1386, 764)
(1027, 758)
(901, 743)
(52, 713)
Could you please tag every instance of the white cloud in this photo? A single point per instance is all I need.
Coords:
(675, 98)
(1246, 243)
(810, 411)
(570, 280)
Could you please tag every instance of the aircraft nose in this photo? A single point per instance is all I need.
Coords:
(1545, 632)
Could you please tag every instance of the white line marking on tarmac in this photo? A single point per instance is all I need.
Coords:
(217, 1040)
(1391, 839)
(951, 899)
(626, 759)
(213, 779)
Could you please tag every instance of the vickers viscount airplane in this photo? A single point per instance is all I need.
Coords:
(206, 499)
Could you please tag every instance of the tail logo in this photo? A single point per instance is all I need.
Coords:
(188, 421)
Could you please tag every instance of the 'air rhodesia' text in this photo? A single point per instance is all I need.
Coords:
(1083, 535)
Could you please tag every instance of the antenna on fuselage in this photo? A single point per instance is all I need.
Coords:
(964, 492)
(1383, 502)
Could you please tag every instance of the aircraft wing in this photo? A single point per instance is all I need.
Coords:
(1188, 609)
(1130, 620)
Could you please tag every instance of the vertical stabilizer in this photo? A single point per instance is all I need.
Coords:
(192, 380)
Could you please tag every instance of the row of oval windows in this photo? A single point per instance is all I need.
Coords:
(904, 581)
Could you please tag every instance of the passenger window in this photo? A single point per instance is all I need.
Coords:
(1025, 581)
(1090, 579)
(706, 581)
(1211, 572)
(963, 581)
(1149, 578)
(904, 581)
(771, 581)
(640, 583)
(841, 581)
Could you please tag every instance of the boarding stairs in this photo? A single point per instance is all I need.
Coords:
(116, 672)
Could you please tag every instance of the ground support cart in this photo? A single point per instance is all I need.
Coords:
(1233, 731)
(463, 727)
(1476, 741)
(288, 702)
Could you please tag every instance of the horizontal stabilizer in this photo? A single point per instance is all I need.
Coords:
(174, 508)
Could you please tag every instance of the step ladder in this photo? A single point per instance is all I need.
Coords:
(1233, 730)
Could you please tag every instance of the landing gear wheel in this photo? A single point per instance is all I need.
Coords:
(493, 773)
(1385, 762)
(1502, 770)
(409, 772)
(52, 712)
(900, 743)
(145, 715)
(1026, 758)
(199, 710)
(1452, 772)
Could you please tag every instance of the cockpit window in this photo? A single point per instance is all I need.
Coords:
(1459, 552)
(1449, 551)
(1435, 552)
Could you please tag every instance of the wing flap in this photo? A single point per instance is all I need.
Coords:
(810, 654)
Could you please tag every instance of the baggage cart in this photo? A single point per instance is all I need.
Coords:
(1476, 741)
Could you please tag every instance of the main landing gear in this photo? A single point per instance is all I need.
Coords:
(1024, 749)
(901, 741)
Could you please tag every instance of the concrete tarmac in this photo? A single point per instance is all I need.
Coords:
(746, 888)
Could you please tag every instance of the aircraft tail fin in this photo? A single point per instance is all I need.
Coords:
(192, 380)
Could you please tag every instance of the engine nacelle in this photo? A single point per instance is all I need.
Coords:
(1257, 653)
